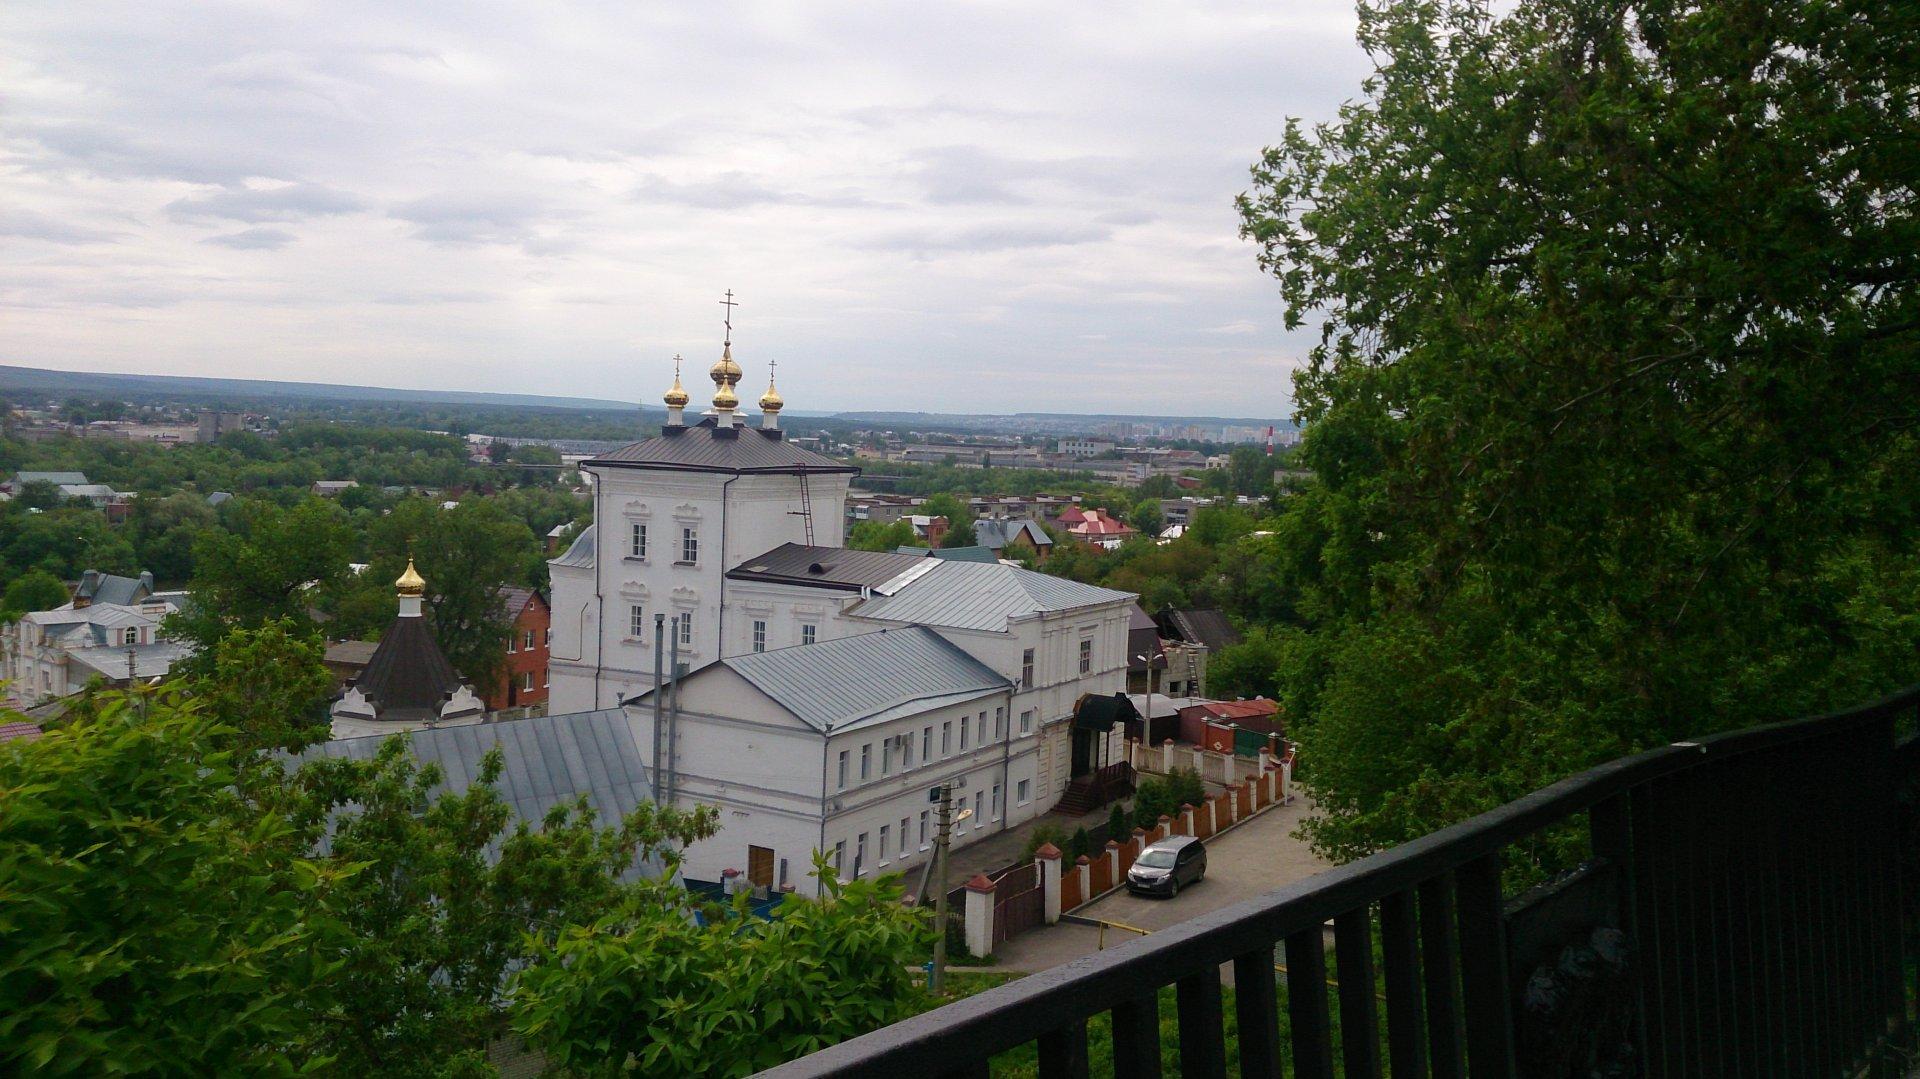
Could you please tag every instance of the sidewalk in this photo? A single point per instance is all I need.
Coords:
(1002, 849)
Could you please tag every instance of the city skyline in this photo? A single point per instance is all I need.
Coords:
(981, 210)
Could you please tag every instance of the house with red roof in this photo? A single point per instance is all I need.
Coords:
(1099, 528)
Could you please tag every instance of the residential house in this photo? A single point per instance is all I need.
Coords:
(523, 684)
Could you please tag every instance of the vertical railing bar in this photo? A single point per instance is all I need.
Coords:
(1203, 1040)
(1309, 1021)
(1483, 969)
(1763, 1053)
(1063, 1051)
(1813, 887)
(1440, 965)
(1257, 1014)
(1610, 830)
(1700, 916)
(1136, 1038)
(1648, 833)
(1400, 956)
(1888, 943)
(1857, 1028)
(1727, 829)
(1359, 1015)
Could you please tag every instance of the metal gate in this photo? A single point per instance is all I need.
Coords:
(1018, 913)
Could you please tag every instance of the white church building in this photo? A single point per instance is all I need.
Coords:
(827, 691)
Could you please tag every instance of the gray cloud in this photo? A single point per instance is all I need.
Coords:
(253, 239)
(294, 202)
(28, 225)
(990, 237)
(736, 190)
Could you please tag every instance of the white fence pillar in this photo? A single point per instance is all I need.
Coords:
(1166, 755)
(980, 915)
(1048, 859)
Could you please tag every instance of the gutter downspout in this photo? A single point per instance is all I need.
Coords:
(659, 693)
(673, 712)
(1006, 766)
(826, 749)
(720, 624)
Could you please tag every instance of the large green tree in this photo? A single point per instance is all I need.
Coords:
(275, 566)
(1614, 398)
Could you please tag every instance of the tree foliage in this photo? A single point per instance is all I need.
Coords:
(1613, 407)
(875, 536)
(269, 687)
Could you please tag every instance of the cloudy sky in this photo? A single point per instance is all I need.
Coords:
(946, 207)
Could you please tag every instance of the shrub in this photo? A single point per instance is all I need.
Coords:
(1078, 845)
(1119, 825)
(1044, 834)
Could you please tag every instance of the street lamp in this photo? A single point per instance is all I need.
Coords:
(1148, 658)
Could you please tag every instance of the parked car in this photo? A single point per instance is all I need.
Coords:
(1167, 866)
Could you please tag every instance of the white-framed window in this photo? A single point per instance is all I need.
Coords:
(965, 722)
(886, 830)
(636, 621)
(1086, 657)
(840, 857)
(509, 644)
(999, 723)
(809, 633)
(946, 738)
(686, 629)
(860, 854)
(886, 757)
(526, 681)
(1023, 792)
(996, 801)
(1026, 669)
(689, 545)
(903, 837)
(759, 635)
(637, 542)
(866, 762)
(547, 638)
(527, 642)
(546, 677)
(923, 828)
(1026, 721)
(906, 750)
(132, 636)
(979, 803)
(843, 769)
(926, 744)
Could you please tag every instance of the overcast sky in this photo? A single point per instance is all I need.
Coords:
(942, 207)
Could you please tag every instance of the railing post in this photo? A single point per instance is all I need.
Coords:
(979, 915)
(1164, 829)
(1047, 858)
(1083, 877)
(1310, 1024)
(1186, 819)
(1140, 841)
(1228, 766)
(1257, 1011)
(1112, 854)
(1136, 1037)
(1203, 1040)
(1166, 755)
(1359, 1017)
(1440, 967)
(1483, 970)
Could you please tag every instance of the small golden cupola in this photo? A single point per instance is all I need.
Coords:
(676, 398)
(770, 403)
(410, 582)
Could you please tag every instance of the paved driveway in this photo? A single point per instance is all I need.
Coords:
(1254, 858)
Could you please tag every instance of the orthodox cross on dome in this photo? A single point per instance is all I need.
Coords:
(729, 304)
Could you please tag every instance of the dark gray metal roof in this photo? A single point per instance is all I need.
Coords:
(824, 567)
(982, 596)
(869, 678)
(995, 533)
(549, 760)
(701, 447)
(408, 677)
(1202, 625)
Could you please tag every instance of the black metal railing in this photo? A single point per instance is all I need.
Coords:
(1741, 911)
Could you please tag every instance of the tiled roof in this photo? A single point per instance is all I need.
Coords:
(408, 675)
(22, 731)
(701, 447)
(868, 678)
(971, 595)
(550, 760)
(824, 567)
(514, 599)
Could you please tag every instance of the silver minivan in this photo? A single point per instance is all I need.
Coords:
(1167, 866)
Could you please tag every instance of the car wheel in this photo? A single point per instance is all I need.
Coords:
(1173, 888)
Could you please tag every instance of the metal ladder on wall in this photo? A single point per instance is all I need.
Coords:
(805, 511)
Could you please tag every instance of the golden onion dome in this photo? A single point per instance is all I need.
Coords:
(677, 397)
(410, 582)
(724, 397)
(725, 372)
(770, 401)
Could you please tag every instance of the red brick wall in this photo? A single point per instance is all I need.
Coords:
(537, 619)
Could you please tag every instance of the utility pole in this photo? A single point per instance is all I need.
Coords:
(938, 976)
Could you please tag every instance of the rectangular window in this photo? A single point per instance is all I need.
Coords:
(1026, 669)
(964, 724)
(1026, 721)
(860, 855)
(946, 738)
(1021, 791)
(926, 745)
(528, 642)
(809, 634)
(638, 544)
(686, 630)
(903, 837)
(759, 636)
(1086, 657)
(906, 750)
(999, 723)
(840, 857)
(546, 676)
(636, 622)
(886, 757)
(843, 769)
(509, 644)
(526, 681)
(979, 800)
(996, 801)
(866, 761)
(689, 546)
(885, 831)
(923, 829)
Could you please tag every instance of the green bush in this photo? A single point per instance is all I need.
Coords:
(1041, 836)
(1119, 825)
(1079, 844)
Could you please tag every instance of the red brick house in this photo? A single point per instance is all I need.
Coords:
(525, 683)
